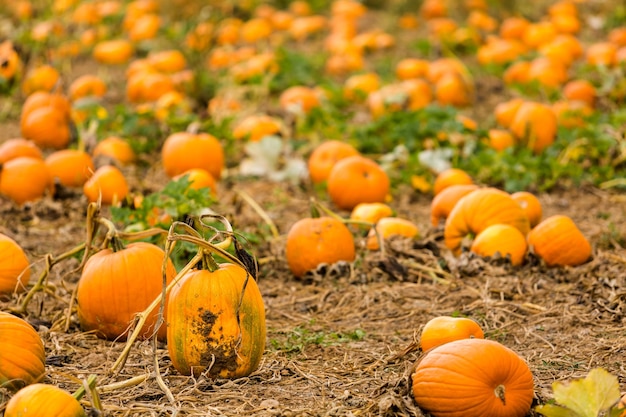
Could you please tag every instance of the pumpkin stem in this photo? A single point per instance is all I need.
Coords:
(500, 393)
(91, 385)
(208, 262)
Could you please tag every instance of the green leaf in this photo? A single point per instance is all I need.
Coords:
(587, 397)
(551, 410)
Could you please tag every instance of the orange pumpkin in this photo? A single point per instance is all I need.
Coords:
(116, 148)
(444, 329)
(14, 266)
(118, 283)
(480, 209)
(23, 356)
(41, 78)
(535, 124)
(314, 241)
(216, 323)
(358, 86)
(199, 178)
(10, 62)
(370, 212)
(503, 239)
(388, 227)
(256, 126)
(113, 52)
(46, 126)
(25, 179)
(43, 400)
(325, 156)
(451, 176)
(444, 202)
(71, 167)
(299, 99)
(88, 85)
(107, 183)
(357, 179)
(531, 206)
(183, 151)
(558, 241)
(488, 379)
(15, 147)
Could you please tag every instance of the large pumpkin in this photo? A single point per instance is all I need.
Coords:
(480, 209)
(42, 400)
(14, 266)
(473, 378)
(115, 285)
(444, 201)
(558, 241)
(22, 356)
(211, 327)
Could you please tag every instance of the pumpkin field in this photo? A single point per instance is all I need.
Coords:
(313, 208)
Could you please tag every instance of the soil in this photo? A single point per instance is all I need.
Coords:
(343, 340)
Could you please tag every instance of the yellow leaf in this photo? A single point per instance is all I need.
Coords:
(589, 396)
(420, 183)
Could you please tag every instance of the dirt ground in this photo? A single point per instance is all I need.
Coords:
(343, 341)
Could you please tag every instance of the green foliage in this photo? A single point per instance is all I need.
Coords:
(595, 395)
(177, 200)
(300, 337)
(296, 68)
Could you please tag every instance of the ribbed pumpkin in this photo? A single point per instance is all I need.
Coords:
(212, 327)
(473, 378)
(480, 209)
(43, 400)
(22, 357)
(558, 241)
(117, 284)
(444, 201)
(14, 266)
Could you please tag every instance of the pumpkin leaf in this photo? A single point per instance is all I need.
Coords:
(586, 397)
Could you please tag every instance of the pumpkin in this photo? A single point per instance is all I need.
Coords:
(216, 323)
(480, 209)
(116, 148)
(531, 206)
(71, 167)
(43, 400)
(313, 241)
(370, 212)
(444, 201)
(25, 179)
(22, 357)
(10, 62)
(503, 239)
(109, 183)
(388, 227)
(256, 126)
(87, 85)
(183, 151)
(118, 283)
(325, 156)
(14, 266)
(558, 241)
(199, 178)
(13, 148)
(445, 329)
(473, 378)
(47, 126)
(357, 179)
(113, 52)
(451, 176)
(535, 124)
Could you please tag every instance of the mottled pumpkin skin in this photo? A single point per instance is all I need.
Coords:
(42, 400)
(115, 286)
(22, 357)
(14, 266)
(473, 378)
(206, 332)
(480, 209)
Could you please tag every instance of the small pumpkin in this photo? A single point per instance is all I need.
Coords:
(108, 183)
(10, 61)
(22, 357)
(14, 266)
(504, 239)
(388, 227)
(117, 283)
(43, 400)
(486, 378)
(445, 329)
(531, 206)
(25, 179)
(451, 176)
(313, 241)
(480, 209)
(444, 201)
(183, 151)
(113, 52)
(325, 156)
(13, 148)
(216, 323)
(116, 148)
(199, 178)
(71, 167)
(370, 212)
(558, 241)
(357, 179)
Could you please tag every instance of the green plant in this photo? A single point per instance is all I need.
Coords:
(296, 340)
